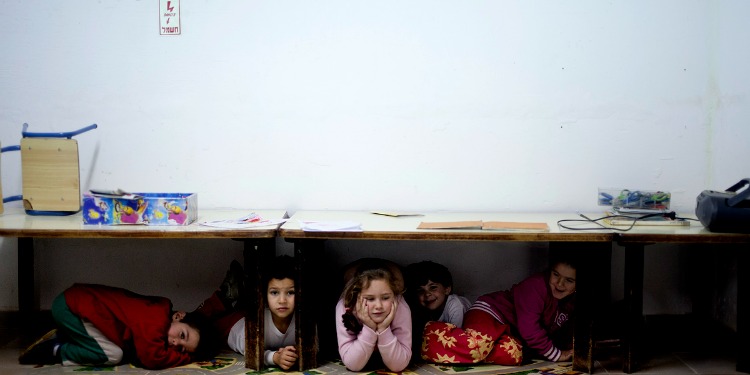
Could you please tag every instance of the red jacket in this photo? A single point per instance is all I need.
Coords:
(131, 321)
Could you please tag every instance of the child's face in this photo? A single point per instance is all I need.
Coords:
(182, 337)
(562, 280)
(280, 297)
(433, 295)
(378, 297)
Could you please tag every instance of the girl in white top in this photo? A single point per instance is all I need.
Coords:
(279, 345)
(279, 320)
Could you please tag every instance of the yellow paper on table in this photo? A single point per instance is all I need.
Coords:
(474, 224)
(395, 213)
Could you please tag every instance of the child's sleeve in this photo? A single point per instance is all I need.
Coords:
(269, 357)
(149, 326)
(153, 353)
(394, 343)
(529, 298)
(355, 349)
(455, 308)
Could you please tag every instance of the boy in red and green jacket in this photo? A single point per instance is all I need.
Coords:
(103, 325)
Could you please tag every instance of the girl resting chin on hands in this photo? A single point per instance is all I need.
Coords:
(373, 318)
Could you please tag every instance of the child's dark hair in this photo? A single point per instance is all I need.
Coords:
(571, 257)
(419, 274)
(281, 267)
(210, 340)
(367, 272)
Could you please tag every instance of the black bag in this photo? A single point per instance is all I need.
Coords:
(727, 211)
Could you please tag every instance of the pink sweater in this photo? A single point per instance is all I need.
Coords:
(394, 343)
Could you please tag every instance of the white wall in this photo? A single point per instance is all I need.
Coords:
(419, 105)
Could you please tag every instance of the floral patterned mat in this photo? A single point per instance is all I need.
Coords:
(233, 363)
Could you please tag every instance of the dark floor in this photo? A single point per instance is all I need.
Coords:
(671, 345)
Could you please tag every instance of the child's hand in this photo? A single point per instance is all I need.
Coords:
(285, 357)
(363, 313)
(388, 318)
(566, 355)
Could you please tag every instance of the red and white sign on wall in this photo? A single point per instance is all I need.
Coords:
(169, 17)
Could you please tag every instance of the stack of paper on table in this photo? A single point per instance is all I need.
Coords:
(251, 220)
(330, 226)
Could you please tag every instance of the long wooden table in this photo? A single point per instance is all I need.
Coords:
(593, 278)
(259, 244)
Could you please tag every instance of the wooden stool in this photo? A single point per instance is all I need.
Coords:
(51, 179)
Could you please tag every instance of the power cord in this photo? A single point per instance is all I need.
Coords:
(599, 226)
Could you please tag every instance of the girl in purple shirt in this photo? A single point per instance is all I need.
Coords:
(533, 318)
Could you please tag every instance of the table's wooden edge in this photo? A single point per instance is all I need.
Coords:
(298, 234)
(192, 230)
(140, 233)
(681, 238)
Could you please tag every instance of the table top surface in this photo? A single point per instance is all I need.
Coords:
(403, 226)
(385, 226)
(375, 226)
(14, 222)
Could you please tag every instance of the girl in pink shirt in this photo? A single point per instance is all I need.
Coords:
(373, 318)
(534, 317)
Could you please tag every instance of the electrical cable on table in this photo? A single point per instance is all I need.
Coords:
(667, 215)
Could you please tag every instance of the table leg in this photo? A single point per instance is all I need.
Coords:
(592, 292)
(633, 306)
(583, 345)
(743, 285)
(256, 253)
(27, 304)
(308, 254)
